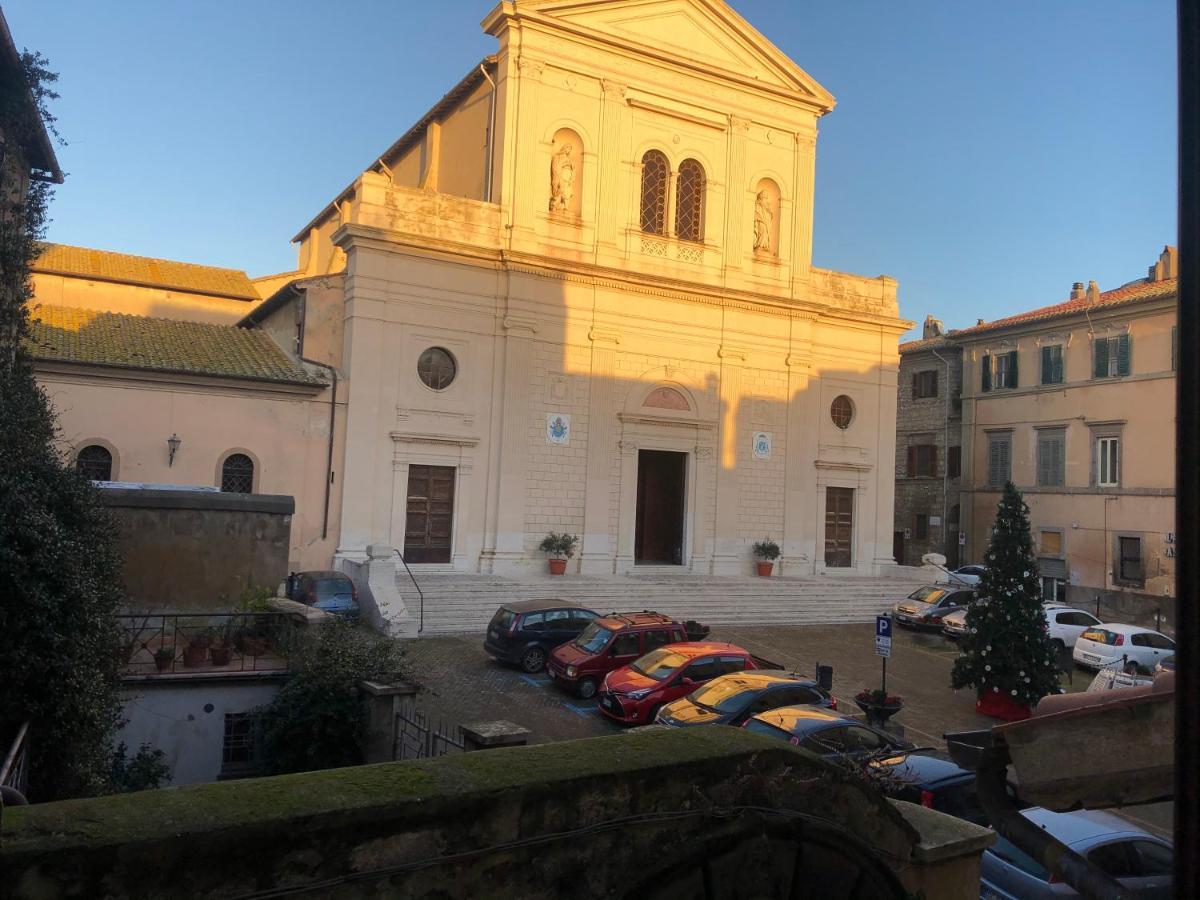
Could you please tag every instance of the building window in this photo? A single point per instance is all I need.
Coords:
(954, 462)
(921, 529)
(689, 202)
(1051, 542)
(655, 171)
(1054, 590)
(922, 460)
(240, 748)
(925, 384)
(1051, 457)
(1129, 559)
(999, 371)
(237, 474)
(1052, 364)
(999, 459)
(436, 368)
(94, 463)
(842, 411)
(1108, 461)
(1111, 356)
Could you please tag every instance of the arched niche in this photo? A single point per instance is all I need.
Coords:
(765, 221)
(566, 174)
(666, 397)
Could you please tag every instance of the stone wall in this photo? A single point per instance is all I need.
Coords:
(649, 814)
(197, 550)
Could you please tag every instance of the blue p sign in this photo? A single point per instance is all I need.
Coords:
(883, 626)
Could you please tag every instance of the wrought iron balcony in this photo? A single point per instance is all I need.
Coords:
(162, 644)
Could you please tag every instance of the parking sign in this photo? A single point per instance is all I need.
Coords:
(883, 636)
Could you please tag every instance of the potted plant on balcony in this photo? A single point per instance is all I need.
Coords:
(766, 552)
(561, 547)
(221, 649)
(878, 705)
(164, 657)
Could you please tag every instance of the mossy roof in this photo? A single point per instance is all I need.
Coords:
(145, 271)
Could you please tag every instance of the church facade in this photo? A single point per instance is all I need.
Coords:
(578, 296)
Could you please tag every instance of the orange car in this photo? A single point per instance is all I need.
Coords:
(633, 694)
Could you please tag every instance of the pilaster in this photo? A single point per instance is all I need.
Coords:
(735, 198)
(627, 512)
(598, 552)
(728, 555)
(799, 542)
(609, 208)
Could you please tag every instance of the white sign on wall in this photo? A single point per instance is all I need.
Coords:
(558, 428)
(761, 445)
(935, 520)
(962, 539)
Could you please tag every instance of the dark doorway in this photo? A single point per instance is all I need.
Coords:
(839, 526)
(898, 547)
(660, 486)
(429, 523)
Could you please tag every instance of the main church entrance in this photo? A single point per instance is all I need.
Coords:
(661, 480)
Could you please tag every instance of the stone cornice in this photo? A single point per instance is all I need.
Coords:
(172, 379)
(443, 440)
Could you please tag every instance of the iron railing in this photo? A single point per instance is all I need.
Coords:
(205, 643)
(416, 736)
(13, 769)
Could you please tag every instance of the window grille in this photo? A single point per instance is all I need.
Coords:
(237, 474)
(94, 463)
(240, 749)
(842, 412)
(999, 459)
(1130, 559)
(689, 202)
(1051, 457)
(655, 171)
(436, 368)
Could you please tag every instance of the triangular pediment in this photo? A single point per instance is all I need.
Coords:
(704, 33)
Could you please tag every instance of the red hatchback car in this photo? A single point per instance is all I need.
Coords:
(634, 693)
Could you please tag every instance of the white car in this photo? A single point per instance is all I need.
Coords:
(1110, 644)
(965, 575)
(1065, 623)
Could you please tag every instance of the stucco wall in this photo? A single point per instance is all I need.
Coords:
(192, 550)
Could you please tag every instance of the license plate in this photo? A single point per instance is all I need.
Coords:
(1091, 658)
(903, 618)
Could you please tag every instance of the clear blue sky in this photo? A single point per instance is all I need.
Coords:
(985, 154)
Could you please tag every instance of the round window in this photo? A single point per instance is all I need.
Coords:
(436, 368)
(842, 411)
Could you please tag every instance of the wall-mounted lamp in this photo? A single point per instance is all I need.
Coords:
(173, 443)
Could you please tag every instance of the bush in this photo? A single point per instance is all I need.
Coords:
(144, 771)
(766, 549)
(560, 546)
(317, 721)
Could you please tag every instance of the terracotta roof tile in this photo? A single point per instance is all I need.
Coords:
(1131, 293)
(103, 265)
(91, 337)
(937, 343)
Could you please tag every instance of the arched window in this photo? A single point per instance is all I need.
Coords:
(237, 474)
(95, 463)
(689, 202)
(655, 171)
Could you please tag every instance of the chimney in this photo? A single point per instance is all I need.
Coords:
(933, 328)
(979, 322)
(1167, 265)
(1093, 292)
(1077, 291)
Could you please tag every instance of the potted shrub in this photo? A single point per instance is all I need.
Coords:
(695, 631)
(163, 657)
(561, 547)
(221, 649)
(194, 654)
(878, 705)
(766, 552)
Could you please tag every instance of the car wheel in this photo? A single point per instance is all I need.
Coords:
(587, 688)
(533, 660)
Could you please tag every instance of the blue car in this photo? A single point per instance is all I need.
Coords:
(331, 592)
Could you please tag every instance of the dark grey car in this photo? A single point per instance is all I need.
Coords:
(524, 633)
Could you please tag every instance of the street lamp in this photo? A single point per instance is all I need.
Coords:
(173, 443)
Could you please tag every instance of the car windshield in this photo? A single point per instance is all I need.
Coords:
(329, 587)
(722, 695)
(927, 595)
(503, 619)
(1100, 636)
(594, 638)
(659, 664)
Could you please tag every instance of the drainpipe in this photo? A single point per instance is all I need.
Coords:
(302, 293)
(946, 460)
(491, 138)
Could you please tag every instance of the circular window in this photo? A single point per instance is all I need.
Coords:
(841, 411)
(436, 368)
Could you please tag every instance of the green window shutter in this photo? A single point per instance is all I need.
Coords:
(1047, 365)
(985, 367)
(1124, 353)
(1058, 365)
(1100, 351)
(1013, 381)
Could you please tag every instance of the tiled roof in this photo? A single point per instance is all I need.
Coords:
(103, 265)
(90, 337)
(1137, 292)
(936, 343)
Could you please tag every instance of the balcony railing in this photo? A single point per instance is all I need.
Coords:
(13, 768)
(205, 643)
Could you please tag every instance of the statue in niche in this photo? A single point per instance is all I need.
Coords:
(762, 222)
(562, 179)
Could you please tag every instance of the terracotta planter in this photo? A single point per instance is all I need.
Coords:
(220, 654)
(764, 567)
(163, 663)
(253, 645)
(558, 566)
(193, 656)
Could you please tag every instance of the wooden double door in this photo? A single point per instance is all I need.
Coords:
(839, 527)
(429, 519)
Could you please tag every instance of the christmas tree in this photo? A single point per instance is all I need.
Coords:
(1006, 652)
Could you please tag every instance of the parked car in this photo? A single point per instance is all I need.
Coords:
(954, 625)
(524, 633)
(825, 732)
(607, 644)
(966, 575)
(732, 699)
(633, 694)
(927, 777)
(927, 606)
(1110, 644)
(332, 592)
(1065, 623)
(1166, 664)
(1138, 859)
